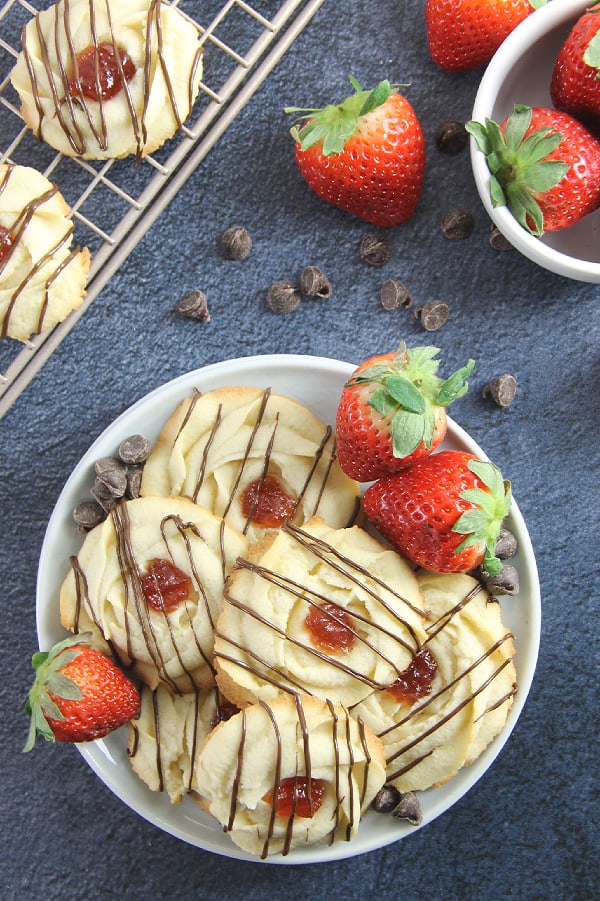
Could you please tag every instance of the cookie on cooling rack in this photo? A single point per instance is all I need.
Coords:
(101, 79)
(254, 457)
(148, 582)
(289, 773)
(456, 696)
(41, 278)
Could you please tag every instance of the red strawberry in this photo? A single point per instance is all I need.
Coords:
(365, 155)
(78, 694)
(465, 34)
(443, 512)
(575, 86)
(544, 165)
(393, 411)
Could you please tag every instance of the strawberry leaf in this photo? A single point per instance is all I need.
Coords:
(591, 57)
(482, 522)
(407, 432)
(455, 386)
(405, 393)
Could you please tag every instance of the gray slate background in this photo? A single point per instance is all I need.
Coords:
(525, 831)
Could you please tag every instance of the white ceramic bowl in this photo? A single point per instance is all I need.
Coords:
(520, 72)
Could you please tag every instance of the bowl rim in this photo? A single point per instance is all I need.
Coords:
(539, 23)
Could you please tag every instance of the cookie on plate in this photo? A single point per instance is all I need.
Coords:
(254, 457)
(164, 739)
(148, 582)
(457, 698)
(331, 612)
(288, 773)
(42, 279)
(101, 79)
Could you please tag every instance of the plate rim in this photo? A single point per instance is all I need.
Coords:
(93, 753)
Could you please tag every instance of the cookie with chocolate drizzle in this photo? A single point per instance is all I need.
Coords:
(101, 79)
(330, 612)
(288, 773)
(42, 277)
(463, 703)
(148, 583)
(256, 458)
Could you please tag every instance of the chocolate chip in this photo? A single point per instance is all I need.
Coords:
(409, 808)
(451, 137)
(375, 250)
(313, 283)
(395, 294)
(506, 582)
(283, 297)
(506, 544)
(386, 799)
(194, 306)
(87, 515)
(498, 241)
(457, 225)
(134, 449)
(103, 464)
(432, 314)
(502, 389)
(112, 482)
(236, 243)
(134, 481)
(106, 500)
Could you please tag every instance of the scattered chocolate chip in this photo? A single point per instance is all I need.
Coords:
(375, 250)
(236, 243)
(87, 515)
(498, 241)
(106, 500)
(457, 225)
(502, 389)
(283, 297)
(314, 283)
(409, 808)
(451, 137)
(194, 306)
(506, 544)
(505, 582)
(134, 449)
(103, 464)
(395, 294)
(386, 799)
(432, 314)
(134, 481)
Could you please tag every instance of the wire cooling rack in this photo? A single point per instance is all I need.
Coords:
(114, 203)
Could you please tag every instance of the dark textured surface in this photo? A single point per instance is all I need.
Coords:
(526, 829)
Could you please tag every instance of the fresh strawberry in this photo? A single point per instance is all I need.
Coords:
(365, 155)
(465, 34)
(393, 411)
(544, 165)
(575, 86)
(78, 694)
(443, 512)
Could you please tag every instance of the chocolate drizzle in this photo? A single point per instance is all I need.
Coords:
(17, 230)
(65, 106)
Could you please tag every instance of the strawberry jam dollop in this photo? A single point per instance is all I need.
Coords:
(109, 81)
(6, 240)
(266, 503)
(415, 681)
(165, 586)
(294, 791)
(327, 632)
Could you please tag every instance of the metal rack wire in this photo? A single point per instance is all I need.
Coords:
(114, 203)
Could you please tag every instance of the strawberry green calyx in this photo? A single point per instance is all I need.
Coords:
(334, 125)
(49, 678)
(518, 166)
(591, 57)
(482, 524)
(409, 392)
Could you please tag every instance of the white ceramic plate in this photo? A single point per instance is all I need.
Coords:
(316, 382)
